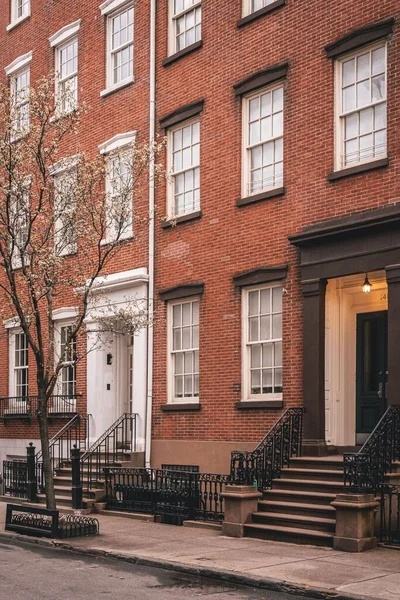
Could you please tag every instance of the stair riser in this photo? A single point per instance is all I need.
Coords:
(312, 474)
(308, 487)
(310, 499)
(304, 512)
(309, 463)
(287, 522)
(286, 537)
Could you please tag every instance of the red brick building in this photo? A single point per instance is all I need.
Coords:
(282, 149)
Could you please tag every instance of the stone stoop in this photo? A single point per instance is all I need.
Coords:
(298, 507)
(63, 480)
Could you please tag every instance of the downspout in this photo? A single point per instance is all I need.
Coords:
(150, 329)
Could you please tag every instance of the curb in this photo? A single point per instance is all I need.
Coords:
(265, 583)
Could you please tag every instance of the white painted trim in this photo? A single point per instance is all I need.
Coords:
(18, 64)
(65, 33)
(117, 86)
(121, 140)
(17, 22)
(13, 323)
(110, 6)
(120, 280)
(246, 393)
(65, 313)
(65, 164)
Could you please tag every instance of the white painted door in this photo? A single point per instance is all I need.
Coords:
(329, 387)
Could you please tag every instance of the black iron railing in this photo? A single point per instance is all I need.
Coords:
(365, 470)
(108, 449)
(389, 531)
(15, 478)
(265, 463)
(174, 495)
(26, 407)
(74, 433)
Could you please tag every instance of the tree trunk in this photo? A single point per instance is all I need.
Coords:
(47, 465)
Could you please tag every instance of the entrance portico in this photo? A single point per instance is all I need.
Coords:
(335, 256)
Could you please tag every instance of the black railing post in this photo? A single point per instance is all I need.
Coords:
(31, 487)
(76, 477)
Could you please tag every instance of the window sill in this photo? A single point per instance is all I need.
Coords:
(171, 222)
(188, 50)
(358, 169)
(17, 22)
(189, 407)
(260, 13)
(117, 87)
(275, 193)
(122, 238)
(257, 404)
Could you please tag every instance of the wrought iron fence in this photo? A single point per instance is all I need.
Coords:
(265, 463)
(365, 470)
(390, 515)
(26, 407)
(41, 522)
(15, 476)
(175, 495)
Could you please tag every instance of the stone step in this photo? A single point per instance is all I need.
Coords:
(295, 535)
(63, 500)
(317, 462)
(317, 474)
(297, 496)
(320, 486)
(291, 520)
(64, 481)
(297, 508)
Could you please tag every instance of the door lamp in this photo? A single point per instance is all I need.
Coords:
(366, 286)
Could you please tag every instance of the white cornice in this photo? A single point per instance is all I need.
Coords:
(125, 279)
(118, 141)
(65, 33)
(110, 5)
(65, 164)
(12, 323)
(62, 314)
(18, 64)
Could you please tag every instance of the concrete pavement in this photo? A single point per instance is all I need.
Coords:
(308, 570)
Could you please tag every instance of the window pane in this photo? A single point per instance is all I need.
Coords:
(278, 99)
(267, 381)
(278, 354)
(256, 382)
(186, 313)
(178, 363)
(363, 67)
(265, 328)
(255, 356)
(366, 121)
(195, 334)
(363, 93)
(253, 329)
(349, 101)
(348, 72)
(351, 126)
(254, 109)
(265, 297)
(253, 303)
(177, 343)
(186, 338)
(266, 106)
(267, 355)
(380, 116)
(378, 61)
(276, 299)
(278, 381)
(378, 88)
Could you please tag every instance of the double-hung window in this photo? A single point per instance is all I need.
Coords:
(361, 105)
(183, 321)
(263, 141)
(20, 10)
(186, 24)
(19, 222)
(262, 342)
(67, 380)
(20, 89)
(65, 207)
(20, 367)
(67, 76)
(184, 158)
(120, 19)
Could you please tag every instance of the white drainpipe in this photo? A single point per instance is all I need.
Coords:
(150, 329)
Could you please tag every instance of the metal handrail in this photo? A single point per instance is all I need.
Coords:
(119, 437)
(365, 470)
(260, 466)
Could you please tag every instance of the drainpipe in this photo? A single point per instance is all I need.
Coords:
(150, 330)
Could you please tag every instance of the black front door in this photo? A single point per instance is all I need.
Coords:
(371, 371)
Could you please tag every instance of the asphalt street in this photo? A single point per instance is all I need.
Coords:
(29, 572)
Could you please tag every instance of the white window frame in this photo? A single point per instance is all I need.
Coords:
(246, 354)
(247, 7)
(69, 172)
(339, 119)
(58, 326)
(246, 152)
(170, 353)
(66, 36)
(18, 67)
(120, 144)
(20, 220)
(12, 386)
(172, 37)
(15, 19)
(111, 9)
(170, 166)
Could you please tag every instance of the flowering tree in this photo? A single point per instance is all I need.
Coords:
(60, 227)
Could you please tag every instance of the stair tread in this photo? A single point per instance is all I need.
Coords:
(300, 493)
(306, 471)
(305, 506)
(292, 530)
(310, 481)
(291, 517)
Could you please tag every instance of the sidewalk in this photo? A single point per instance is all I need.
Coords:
(308, 570)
